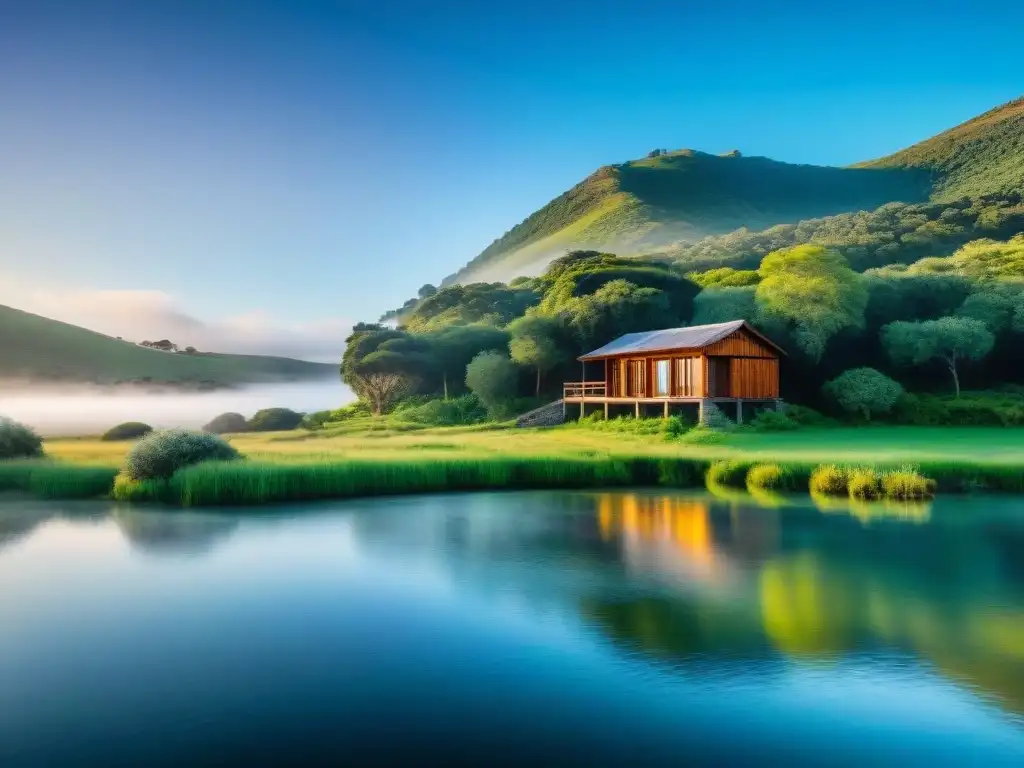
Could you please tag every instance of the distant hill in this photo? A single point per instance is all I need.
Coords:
(984, 156)
(37, 348)
(684, 195)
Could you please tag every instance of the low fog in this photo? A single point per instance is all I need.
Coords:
(75, 411)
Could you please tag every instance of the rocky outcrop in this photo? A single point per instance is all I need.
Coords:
(550, 415)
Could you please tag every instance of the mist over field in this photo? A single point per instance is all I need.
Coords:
(82, 410)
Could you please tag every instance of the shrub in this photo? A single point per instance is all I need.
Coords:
(129, 430)
(315, 420)
(673, 427)
(493, 378)
(160, 454)
(864, 483)
(829, 480)
(703, 436)
(446, 413)
(227, 422)
(274, 420)
(806, 417)
(18, 441)
(771, 477)
(773, 421)
(864, 392)
(728, 473)
(907, 484)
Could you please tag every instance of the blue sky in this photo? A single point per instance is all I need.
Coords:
(304, 164)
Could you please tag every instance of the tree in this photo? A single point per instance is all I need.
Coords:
(426, 290)
(864, 391)
(535, 343)
(492, 377)
(812, 289)
(190, 350)
(949, 339)
(384, 365)
(453, 348)
(720, 305)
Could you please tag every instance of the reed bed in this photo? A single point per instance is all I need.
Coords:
(56, 480)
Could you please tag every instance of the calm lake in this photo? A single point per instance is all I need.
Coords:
(540, 627)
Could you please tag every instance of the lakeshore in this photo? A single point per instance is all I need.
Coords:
(377, 458)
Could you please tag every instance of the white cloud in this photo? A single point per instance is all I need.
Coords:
(138, 315)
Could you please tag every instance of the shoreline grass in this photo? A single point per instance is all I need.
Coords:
(298, 465)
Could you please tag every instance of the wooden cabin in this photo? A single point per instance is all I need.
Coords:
(725, 362)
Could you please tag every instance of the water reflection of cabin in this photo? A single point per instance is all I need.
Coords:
(721, 363)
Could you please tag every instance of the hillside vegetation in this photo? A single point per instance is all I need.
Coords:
(683, 196)
(984, 156)
(37, 348)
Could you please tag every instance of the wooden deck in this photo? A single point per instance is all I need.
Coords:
(584, 393)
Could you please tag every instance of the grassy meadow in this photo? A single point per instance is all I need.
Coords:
(366, 441)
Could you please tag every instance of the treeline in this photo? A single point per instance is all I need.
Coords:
(934, 325)
(893, 233)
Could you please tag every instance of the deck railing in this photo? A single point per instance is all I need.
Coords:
(583, 389)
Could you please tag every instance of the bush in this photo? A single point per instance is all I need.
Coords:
(773, 421)
(274, 420)
(907, 484)
(727, 473)
(315, 420)
(18, 441)
(673, 427)
(160, 454)
(772, 477)
(445, 413)
(864, 483)
(493, 378)
(227, 422)
(864, 392)
(806, 417)
(129, 430)
(703, 436)
(829, 480)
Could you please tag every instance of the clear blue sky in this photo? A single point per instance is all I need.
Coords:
(324, 159)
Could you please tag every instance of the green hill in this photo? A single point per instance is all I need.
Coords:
(37, 348)
(984, 156)
(683, 196)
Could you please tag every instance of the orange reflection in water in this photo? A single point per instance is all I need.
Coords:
(663, 533)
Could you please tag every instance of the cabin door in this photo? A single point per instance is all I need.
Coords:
(636, 379)
(718, 377)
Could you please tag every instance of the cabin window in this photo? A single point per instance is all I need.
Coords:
(661, 378)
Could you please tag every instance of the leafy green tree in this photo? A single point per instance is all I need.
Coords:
(996, 305)
(720, 305)
(490, 303)
(616, 308)
(537, 342)
(864, 391)
(455, 346)
(493, 378)
(949, 339)
(813, 290)
(384, 365)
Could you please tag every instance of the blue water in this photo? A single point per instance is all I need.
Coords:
(638, 628)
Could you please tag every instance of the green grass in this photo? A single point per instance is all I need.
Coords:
(56, 480)
(39, 348)
(348, 462)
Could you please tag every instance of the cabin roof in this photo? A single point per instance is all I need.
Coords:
(692, 337)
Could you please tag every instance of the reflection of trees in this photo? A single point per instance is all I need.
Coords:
(17, 522)
(18, 519)
(176, 532)
(824, 586)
